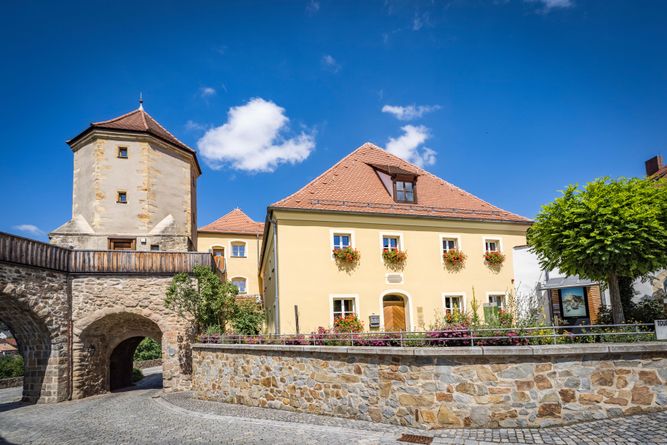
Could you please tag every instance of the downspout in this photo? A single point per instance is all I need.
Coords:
(276, 299)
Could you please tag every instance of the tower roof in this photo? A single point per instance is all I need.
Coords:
(235, 221)
(137, 121)
(355, 185)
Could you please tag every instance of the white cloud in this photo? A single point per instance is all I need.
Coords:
(409, 146)
(312, 7)
(421, 20)
(548, 5)
(409, 112)
(253, 139)
(29, 228)
(330, 64)
(207, 92)
(191, 125)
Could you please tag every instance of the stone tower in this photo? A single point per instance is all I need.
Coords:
(135, 188)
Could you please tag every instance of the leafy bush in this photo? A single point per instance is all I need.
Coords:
(647, 310)
(148, 349)
(248, 318)
(349, 323)
(11, 366)
(454, 259)
(137, 375)
(347, 255)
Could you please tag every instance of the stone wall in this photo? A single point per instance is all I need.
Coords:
(484, 387)
(108, 310)
(11, 382)
(34, 303)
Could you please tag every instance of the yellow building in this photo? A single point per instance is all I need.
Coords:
(381, 206)
(236, 240)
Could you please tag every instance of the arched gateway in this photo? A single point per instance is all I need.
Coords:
(78, 316)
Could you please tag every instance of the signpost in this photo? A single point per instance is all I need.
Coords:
(661, 329)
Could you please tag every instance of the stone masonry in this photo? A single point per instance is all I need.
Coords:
(484, 387)
(67, 327)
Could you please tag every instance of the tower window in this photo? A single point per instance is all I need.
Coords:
(122, 152)
(121, 198)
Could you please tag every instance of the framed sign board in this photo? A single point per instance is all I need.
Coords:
(661, 329)
(373, 321)
(573, 302)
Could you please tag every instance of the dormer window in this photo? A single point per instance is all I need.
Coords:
(404, 191)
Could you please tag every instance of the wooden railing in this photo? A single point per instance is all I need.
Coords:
(19, 250)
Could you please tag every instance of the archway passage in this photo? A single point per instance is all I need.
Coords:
(394, 312)
(44, 358)
(105, 349)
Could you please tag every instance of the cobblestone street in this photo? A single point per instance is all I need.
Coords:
(146, 416)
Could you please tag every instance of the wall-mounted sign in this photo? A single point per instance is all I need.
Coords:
(661, 329)
(374, 321)
(573, 302)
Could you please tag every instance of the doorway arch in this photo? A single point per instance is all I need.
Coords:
(396, 311)
(105, 349)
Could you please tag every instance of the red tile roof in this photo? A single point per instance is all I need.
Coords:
(234, 222)
(353, 185)
(137, 121)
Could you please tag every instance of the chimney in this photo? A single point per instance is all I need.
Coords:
(653, 165)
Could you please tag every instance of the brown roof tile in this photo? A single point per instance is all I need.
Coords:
(234, 222)
(353, 185)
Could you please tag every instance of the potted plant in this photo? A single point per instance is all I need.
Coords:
(394, 257)
(454, 259)
(494, 259)
(346, 255)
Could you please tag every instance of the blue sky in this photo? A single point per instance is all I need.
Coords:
(508, 99)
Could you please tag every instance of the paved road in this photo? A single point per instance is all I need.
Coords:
(147, 416)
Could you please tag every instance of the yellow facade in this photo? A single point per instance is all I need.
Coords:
(306, 280)
(245, 266)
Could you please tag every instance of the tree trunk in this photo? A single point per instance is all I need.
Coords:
(615, 294)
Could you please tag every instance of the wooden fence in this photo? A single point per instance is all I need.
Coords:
(19, 250)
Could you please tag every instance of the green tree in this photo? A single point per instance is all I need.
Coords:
(203, 297)
(608, 229)
(11, 366)
(248, 319)
(148, 349)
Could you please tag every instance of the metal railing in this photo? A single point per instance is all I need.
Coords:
(454, 336)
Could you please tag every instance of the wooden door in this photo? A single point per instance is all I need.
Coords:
(394, 316)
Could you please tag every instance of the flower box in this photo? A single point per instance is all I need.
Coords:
(454, 259)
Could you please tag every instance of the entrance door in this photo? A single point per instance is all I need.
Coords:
(394, 313)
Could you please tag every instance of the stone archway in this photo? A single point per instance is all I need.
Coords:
(103, 351)
(33, 304)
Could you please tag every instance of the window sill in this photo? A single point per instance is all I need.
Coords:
(238, 257)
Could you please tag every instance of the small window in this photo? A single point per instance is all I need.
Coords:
(341, 240)
(155, 247)
(122, 243)
(390, 243)
(492, 245)
(449, 244)
(121, 198)
(498, 300)
(342, 307)
(122, 152)
(238, 250)
(240, 284)
(453, 303)
(218, 251)
(404, 191)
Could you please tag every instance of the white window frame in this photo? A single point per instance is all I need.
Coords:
(341, 231)
(444, 236)
(401, 241)
(454, 294)
(504, 295)
(333, 297)
(246, 283)
(497, 238)
(238, 241)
